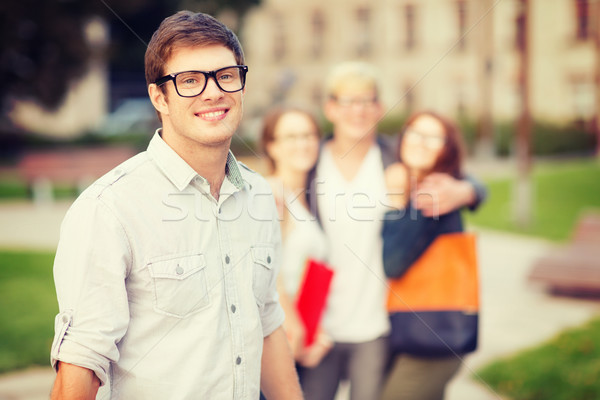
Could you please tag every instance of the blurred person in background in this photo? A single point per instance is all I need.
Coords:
(166, 267)
(290, 139)
(348, 194)
(430, 148)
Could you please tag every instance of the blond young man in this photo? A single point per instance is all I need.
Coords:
(348, 195)
(166, 267)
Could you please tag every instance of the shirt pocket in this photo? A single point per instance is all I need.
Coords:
(180, 287)
(262, 272)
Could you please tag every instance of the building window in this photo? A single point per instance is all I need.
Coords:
(584, 99)
(410, 25)
(316, 93)
(318, 33)
(461, 99)
(409, 98)
(279, 39)
(461, 13)
(520, 28)
(582, 20)
(363, 32)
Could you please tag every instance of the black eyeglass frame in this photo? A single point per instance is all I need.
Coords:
(207, 76)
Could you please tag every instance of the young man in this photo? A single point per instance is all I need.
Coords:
(166, 268)
(349, 197)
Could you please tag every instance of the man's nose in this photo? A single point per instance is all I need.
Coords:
(212, 90)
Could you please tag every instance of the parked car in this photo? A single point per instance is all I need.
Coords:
(132, 116)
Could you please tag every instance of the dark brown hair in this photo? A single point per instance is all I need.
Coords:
(450, 159)
(270, 121)
(186, 29)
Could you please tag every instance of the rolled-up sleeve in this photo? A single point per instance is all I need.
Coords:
(90, 269)
(272, 314)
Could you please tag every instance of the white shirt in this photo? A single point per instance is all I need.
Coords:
(351, 213)
(303, 241)
(164, 292)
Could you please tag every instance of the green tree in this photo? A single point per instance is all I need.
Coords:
(44, 49)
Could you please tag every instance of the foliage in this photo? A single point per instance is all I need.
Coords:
(564, 368)
(546, 139)
(44, 48)
(561, 192)
(28, 304)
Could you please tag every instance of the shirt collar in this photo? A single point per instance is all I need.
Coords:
(179, 172)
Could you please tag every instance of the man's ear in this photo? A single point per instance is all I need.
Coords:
(158, 99)
(329, 110)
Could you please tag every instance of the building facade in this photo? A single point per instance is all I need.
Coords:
(459, 57)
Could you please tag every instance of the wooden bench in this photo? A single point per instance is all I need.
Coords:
(77, 167)
(573, 269)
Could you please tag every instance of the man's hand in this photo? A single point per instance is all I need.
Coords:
(440, 194)
(396, 182)
(295, 332)
(278, 377)
(312, 356)
(74, 383)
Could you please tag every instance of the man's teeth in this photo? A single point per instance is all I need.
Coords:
(211, 114)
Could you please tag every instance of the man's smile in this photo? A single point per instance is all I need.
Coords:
(212, 115)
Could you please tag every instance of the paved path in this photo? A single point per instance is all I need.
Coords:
(515, 315)
(26, 225)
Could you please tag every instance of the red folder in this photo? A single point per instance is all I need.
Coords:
(312, 297)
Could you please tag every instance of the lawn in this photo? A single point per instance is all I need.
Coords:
(28, 304)
(28, 300)
(15, 189)
(564, 368)
(568, 366)
(561, 192)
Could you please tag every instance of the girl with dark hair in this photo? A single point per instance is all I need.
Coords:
(429, 144)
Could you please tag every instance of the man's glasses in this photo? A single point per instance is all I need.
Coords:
(192, 83)
(351, 101)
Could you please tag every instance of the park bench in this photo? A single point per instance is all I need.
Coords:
(76, 167)
(573, 269)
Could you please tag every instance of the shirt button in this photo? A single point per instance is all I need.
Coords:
(269, 259)
(233, 308)
(179, 270)
(238, 361)
(227, 259)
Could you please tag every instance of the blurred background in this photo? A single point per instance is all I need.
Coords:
(522, 78)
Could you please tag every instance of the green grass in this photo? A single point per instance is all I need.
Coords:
(28, 304)
(14, 189)
(564, 368)
(568, 366)
(561, 192)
